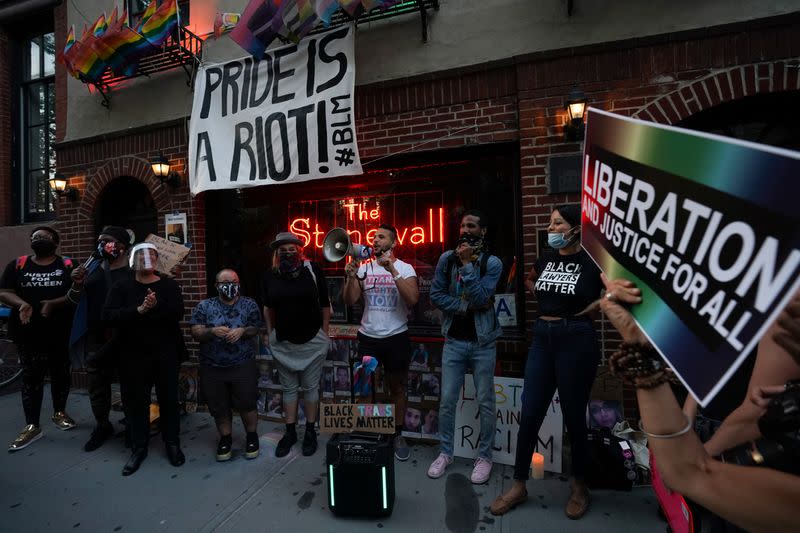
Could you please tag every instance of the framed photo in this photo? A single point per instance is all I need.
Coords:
(431, 388)
(176, 228)
(335, 293)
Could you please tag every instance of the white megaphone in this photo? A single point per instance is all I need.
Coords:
(337, 245)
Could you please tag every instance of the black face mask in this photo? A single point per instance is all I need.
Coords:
(43, 247)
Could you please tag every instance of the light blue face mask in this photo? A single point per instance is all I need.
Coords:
(558, 241)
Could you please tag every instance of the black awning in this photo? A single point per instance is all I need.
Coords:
(11, 10)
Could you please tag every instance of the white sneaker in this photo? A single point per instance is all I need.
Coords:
(481, 471)
(438, 467)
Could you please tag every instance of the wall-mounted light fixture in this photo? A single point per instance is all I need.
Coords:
(576, 110)
(58, 185)
(161, 169)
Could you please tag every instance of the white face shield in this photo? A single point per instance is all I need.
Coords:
(144, 256)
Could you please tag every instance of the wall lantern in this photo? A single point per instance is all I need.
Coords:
(58, 185)
(576, 110)
(161, 169)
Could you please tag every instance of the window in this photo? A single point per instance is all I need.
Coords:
(38, 126)
(422, 195)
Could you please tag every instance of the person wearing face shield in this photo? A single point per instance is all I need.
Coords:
(564, 355)
(147, 309)
(389, 290)
(97, 344)
(297, 312)
(226, 328)
(35, 288)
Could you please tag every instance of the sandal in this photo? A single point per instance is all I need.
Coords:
(502, 505)
(576, 508)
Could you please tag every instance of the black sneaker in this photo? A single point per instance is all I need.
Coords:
(224, 448)
(251, 446)
(309, 442)
(285, 444)
(100, 434)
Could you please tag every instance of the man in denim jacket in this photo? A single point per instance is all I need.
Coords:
(463, 289)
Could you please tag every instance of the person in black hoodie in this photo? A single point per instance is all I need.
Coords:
(147, 310)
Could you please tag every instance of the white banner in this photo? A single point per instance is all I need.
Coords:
(284, 119)
(508, 396)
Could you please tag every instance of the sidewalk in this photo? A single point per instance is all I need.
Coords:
(54, 485)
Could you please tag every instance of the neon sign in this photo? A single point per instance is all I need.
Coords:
(358, 214)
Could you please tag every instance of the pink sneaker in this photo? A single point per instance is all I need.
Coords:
(481, 471)
(438, 467)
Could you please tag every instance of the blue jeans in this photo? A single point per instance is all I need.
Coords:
(457, 356)
(564, 355)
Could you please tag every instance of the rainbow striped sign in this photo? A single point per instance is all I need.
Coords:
(708, 228)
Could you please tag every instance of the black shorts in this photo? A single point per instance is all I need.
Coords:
(394, 352)
(230, 387)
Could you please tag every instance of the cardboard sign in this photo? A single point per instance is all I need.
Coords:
(508, 393)
(170, 254)
(286, 118)
(706, 226)
(362, 417)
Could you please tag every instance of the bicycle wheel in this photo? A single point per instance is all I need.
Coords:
(10, 369)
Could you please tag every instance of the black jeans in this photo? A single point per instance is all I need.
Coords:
(36, 363)
(564, 355)
(140, 372)
(102, 368)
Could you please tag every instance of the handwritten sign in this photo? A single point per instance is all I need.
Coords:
(363, 417)
(170, 254)
(508, 394)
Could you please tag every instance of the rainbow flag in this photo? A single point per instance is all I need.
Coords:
(299, 18)
(325, 10)
(369, 5)
(112, 20)
(64, 56)
(87, 65)
(148, 12)
(261, 22)
(350, 6)
(161, 24)
(100, 26)
(128, 47)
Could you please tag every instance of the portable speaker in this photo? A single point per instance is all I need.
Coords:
(360, 474)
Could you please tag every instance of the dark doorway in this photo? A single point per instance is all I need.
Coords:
(771, 119)
(126, 202)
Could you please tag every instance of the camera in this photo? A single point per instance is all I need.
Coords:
(779, 448)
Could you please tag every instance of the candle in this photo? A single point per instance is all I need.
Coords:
(537, 466)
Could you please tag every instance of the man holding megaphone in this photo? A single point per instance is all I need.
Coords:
(389, 289)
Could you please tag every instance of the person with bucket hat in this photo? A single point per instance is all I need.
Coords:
(297, 313)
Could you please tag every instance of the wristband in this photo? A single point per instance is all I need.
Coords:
(669, 435)
(398, 276)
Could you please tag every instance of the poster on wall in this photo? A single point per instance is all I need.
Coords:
(287, 118)
(706, 226)
(508, 393)
(176, 229)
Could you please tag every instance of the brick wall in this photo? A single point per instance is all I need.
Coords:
(91, 165)
(663, 79)
(5, 131)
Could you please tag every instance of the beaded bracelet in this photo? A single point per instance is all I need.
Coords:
(640, 365)
(669, 435)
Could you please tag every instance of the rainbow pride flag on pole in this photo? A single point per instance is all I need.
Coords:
(161, 23)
